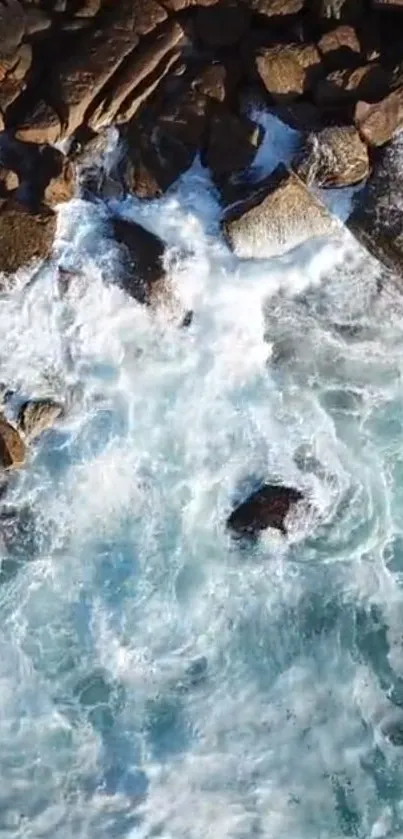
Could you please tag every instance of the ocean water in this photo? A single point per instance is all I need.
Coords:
(156, 678)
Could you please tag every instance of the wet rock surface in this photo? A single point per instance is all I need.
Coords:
(37, 416)
(280, 215)
(269, 506)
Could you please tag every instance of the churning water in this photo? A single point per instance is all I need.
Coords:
(157, 680)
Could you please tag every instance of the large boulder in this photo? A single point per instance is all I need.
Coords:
(24, 236)
(222, 25)
(269, 506)
(278, 216)
(289, 70)
(37, 416)
(222, 157)
(12, 447)
(334, 157)
(376, 220)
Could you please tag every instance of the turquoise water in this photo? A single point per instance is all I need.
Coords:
(155, 679)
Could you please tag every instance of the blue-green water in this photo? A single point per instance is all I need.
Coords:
(156, 680)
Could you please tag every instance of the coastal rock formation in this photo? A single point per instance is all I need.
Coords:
(269, 506)
(278, 216)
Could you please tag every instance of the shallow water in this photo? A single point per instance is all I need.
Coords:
(157, 680)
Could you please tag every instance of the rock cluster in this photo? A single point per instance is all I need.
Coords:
(173, 74)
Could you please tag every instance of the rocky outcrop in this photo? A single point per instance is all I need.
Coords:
(279, 216)
(37, 416)
(334, 157)
(269, 506)
(12, 447)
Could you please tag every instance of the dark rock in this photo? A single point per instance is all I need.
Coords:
(222, 25)
(334, 157)
(163, 145)
(38, 415)
(345, 87)
(223, 157)
(275, 8)
(376, 220)
(279, 215)
(19, 540)
(12, 447)
(213, 82)
(378, 123)
(187, 319)
(268, 507)
(289, 71)
(142, 255)
(41, 124)
(24, 236)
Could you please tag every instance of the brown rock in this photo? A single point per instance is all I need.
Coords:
(280, 214)
(148, 15)
(289, 71)
(23, 236)
(274, 8)
(334, 157)
(369, 82)
(82, 76)
(41, 124)
(62, 186)
(222, 25)
(379, 122)
(142, 73)
(142, 259)
(178, 5)
(89, 8)
(340, 48)
(12, 447)
(8, 181)
(213, 82)
(37, 416)
(225, 158)
(269, 506)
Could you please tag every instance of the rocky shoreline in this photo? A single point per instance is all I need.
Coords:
(180, 78)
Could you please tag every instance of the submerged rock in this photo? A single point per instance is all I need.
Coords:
(38, 415)
(267, 507)
(277, 217)
(12, 447)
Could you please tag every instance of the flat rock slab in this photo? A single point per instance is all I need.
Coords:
(24, 236)
(276, 218)
(267, 507)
